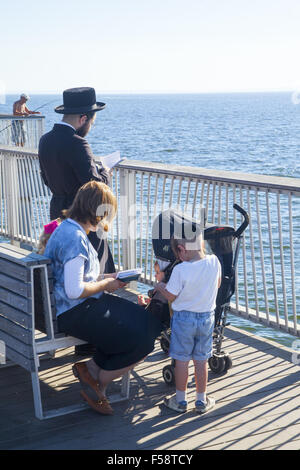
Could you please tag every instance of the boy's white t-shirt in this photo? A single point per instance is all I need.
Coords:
(196, 284)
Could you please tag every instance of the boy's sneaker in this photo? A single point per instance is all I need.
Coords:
(202, 407)
(173, 404)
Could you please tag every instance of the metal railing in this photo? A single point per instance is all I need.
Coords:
(16, 131)
(268, 275)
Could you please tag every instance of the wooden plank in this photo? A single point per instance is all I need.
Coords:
(21, 256)
(16, 331)
(14, 285)
(16, 300)
(19, 359)
(14, 270)
(16, 315)
(251, 409)
(22, 348)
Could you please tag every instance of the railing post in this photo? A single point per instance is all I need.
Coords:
(10, 171)
(127, 218)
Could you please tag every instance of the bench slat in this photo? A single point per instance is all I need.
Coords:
(15, 270)
(15, 300)
(15, 315)
(16, 331)
(11, 342)
(15, 285)
(23, 257)
(19, 359)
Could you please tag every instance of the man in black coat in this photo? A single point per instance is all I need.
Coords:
(67, 162)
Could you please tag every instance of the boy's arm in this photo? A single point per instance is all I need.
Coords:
(161, 287)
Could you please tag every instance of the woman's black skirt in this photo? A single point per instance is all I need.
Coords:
(122, 331)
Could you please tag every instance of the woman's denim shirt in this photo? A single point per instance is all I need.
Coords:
(68, 241)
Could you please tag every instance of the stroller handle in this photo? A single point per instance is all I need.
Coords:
(245, 222)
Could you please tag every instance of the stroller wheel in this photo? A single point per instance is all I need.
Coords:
(169, 375)
(217, 364)
(228, 363)
(164, 344)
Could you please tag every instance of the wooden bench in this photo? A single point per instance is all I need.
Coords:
(27, 305)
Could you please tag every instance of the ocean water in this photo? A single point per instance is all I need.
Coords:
(246, 132)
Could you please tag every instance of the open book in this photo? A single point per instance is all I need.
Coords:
(111, 160)
(129, 275)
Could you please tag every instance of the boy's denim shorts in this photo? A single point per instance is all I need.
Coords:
(191, 335)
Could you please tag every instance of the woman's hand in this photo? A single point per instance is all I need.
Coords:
(111, 284)
(106, 276)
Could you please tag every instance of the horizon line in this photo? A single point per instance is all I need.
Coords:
(145, 92)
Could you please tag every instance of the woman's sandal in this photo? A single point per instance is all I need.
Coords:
(101, 406)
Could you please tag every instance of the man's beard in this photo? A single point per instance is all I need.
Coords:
(84, 129)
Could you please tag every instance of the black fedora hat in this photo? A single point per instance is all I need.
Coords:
(79, 101)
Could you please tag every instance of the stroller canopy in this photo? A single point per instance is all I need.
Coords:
(168, 224)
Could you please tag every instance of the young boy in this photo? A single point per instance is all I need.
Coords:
(192, 289)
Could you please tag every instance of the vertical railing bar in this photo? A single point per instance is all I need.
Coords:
(28, 234)
(179, 192)
(2, 194)
(171, 191)
(141, 218)
(154, 215)
(201, 199)
(112, 227)
(272, 258)
(252, 254)
(163, 193)
(220, 204)
(33, 200)
(5, 193)
(187, 195)
(282, 261)
(34, 192)
(16, 198)
(213, 202)
(207, 200)
(147, 225)
(261, 254)
(227, 204)
(117, 222)
(233, 218)
(41, 217)
(292, 265)
(195, 197)
(244, 261)
(27, 194)
(45, 216)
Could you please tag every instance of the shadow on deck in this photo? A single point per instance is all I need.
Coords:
(257, 405)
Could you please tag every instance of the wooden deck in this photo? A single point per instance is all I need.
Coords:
(257, 405)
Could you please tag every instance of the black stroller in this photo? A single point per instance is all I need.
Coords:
(219, 240)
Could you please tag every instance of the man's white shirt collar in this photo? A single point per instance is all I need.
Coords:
(66, 124)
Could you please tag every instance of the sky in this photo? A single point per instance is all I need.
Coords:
(149, 46)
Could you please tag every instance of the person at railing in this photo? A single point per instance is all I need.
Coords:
(20, 109)
(67, 162)
(122, 331)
